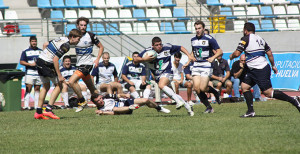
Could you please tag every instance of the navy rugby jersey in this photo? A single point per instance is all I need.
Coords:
(255, 49)
(203, 49)
(30, 55)
(133, 71)
(188, 69)
(103, 73)
(67, 72)
(162, 64)
(53, 49)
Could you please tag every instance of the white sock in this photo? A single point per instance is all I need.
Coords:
(147, 93)
(171, 94)
(135, 94)
(84, 94)
(36, 98)
(65, 97)
(173, 85)
(26, 99)
(196, 96)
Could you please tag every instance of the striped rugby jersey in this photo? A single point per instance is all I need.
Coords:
(30, 55)
(53, 49)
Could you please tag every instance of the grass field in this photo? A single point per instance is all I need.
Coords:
(274, 130)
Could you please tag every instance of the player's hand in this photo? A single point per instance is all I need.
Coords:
(210, 59)
(143, 83)
(223, 80)
(192, 58)
(241, 65)
(148, 58)
(61, 78)
(99, 112)
(185, 65)
(33, 64)
(274, 69)
(96, 63)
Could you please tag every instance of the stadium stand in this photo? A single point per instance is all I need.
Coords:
(86, 4)
(25, 31)
(72, 4)
(84, 13)
(57, 16)
(71, 15)
(44, 4)
(58, 4)
(2, 6)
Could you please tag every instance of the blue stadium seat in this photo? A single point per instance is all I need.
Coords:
(256, 24)
(88, 28)
(2, 6)
(58, 3)
(99, 29)
(179, 14)
(112, 29)
(214, 2)
(267, 25)
(267, 12)
(127, 3)
(179, 27)
(57, 16)
(167, 3)
(44, 4)
(295, 1)
(166, 27)
(72, 4)
(25, 31)
(86, 4)
(255, 2)
(68, 28)
(140, 13)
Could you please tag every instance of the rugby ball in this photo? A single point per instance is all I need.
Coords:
(150, 53)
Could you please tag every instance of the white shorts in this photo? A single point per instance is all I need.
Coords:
(167, 75)
(33, 80)
(200, 71)
(48, 79)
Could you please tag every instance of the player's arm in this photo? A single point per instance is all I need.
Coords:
(23, 60)
(115, 73)
(182, 77)
(188, 76)
(45, 45)
(123, 95)
(144, 59)
(124, 77)
(56, 67)
(271, 59)
(240, 48)
(100, 112)
(191, 58)
(217, 54)
(101, 49)
(227, 75)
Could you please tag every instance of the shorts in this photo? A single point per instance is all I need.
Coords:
(33, 80)
(85, 69)
(215, 83)
(129, 102)
(202, 71)
(137, 83)
(46, 71)
(167, 75)
(261, 77)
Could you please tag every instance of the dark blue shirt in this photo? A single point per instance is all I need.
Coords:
(30, 55)
(133, 71)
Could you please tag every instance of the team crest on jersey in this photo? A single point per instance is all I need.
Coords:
(203, 42)
(85, 42)
(166, 53)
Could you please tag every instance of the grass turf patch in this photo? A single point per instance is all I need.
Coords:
(273, 130)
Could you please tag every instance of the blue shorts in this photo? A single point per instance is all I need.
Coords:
(129, 102)
(261, 77)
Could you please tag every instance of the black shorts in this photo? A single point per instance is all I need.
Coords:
(129, 102)
(261, 77)
(45, 69)
(127, 86)
(85, 69)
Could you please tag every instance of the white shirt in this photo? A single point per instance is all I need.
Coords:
(177, 71)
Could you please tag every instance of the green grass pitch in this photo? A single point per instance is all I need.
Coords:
(275, 129)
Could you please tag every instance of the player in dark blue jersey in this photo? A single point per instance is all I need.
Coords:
(161, 68)
(203, 47)
(32, 77)
(134, 74)
(259, 71)
(48, 68)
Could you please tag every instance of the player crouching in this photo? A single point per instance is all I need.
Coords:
(114, 105)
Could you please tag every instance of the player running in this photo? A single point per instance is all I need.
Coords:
(259, 71)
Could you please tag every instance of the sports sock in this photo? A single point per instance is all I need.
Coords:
(158, 108)
(26, 99)
(49, 108)
(249, 100)
(282, 96)
(214, 91)
(36, 98)
(39, 110)
(81, 100)
(135, 94)
(171, 93)
(146, 93)
(204, 99)
(65, 97)
(84, 94)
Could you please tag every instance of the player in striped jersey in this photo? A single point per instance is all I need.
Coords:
(203, 47)
(161, 68)
(259, 71)
(32, 77)
(48, 69)
(85, 61)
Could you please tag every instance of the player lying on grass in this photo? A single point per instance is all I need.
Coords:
(122, 104)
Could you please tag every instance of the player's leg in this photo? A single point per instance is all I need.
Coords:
(57, 89)
(132, 90)
(256, 93)
(83, 90)
(116, 86)
(73, 82)
(65, 94)
(105, 87)
(43, 93)
(246, 86)
(147, 90)
(163, 85)
(89, 84)
(203, 97)
(189, 86)
(36, 95)
(27, 96)
(150, 104)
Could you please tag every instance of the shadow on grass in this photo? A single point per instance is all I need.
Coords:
(262, 116)
(165, 115)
